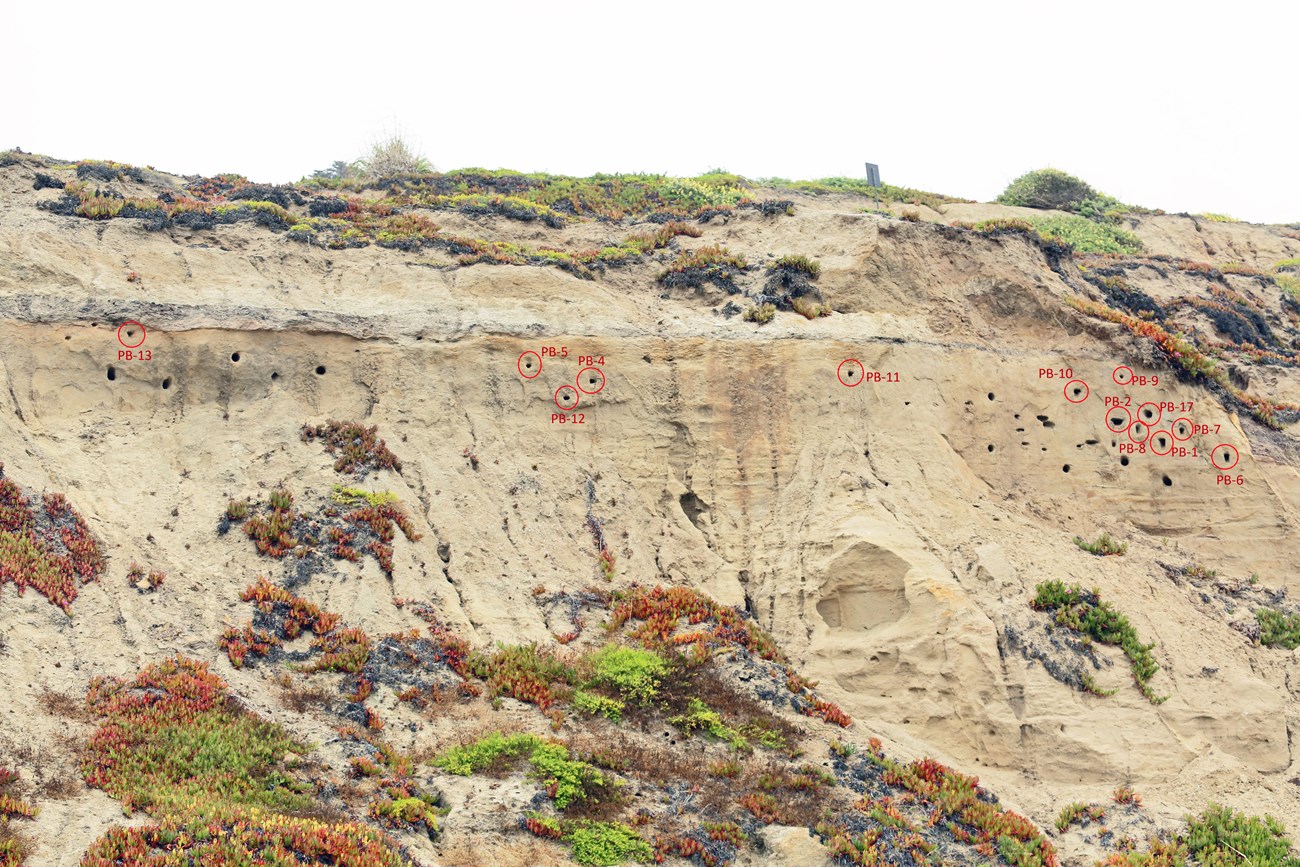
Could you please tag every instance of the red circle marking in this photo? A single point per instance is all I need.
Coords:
(839, 372)
(595, 370)
(1155, 420)
(1236, 456)
(1143, 433)
(1175, 425)
(1127, 421)
(143, 335)
(1155, 437)
(519, 364)
(556, 398)
(1115, 375)
(1086, 390)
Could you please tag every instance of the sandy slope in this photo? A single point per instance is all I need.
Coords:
(887, 534)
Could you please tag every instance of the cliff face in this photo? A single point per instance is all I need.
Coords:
(889, 535)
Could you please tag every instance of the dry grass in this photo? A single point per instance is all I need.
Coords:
(63, 706)
(300, 698)
(510, 851)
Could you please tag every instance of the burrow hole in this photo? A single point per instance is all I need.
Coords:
(1065, 468)
(1123, 460)
(1168, 482)
(320, 370)
(1077, 391)
(112, 373)
(167, 382)
(234, 356)
(275, 374)
(991, 397)
(990, 446)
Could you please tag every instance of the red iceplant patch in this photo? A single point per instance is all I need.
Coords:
(49, 548)
(247, 838)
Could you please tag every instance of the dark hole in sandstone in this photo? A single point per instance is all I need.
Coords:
(991, 397)
(112, 373)
(1123, 460)
(167, 383)
(275, 375)
(1168, 482)
(320, 370)
(234, 356)
(1065, 469)
(990, 446)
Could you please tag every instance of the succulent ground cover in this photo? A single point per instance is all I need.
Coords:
(13, 811)
(45, 544)
(215, 778)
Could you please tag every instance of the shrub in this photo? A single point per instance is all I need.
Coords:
(1103, 546)
(567, 781)
(356, 496)
(1047, 189)
(796, 264)
(809, 309)
(606, 843)
(598, 705)
(1278, 628)
(1087, 236)
(635, 673)
(859, 186)
(700, 717)
(392, 157)
(1218, 836)
(1082, 611)
(1218, 218)
(485, 753)
(760, 313)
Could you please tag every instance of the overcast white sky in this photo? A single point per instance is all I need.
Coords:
(1159, 104)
